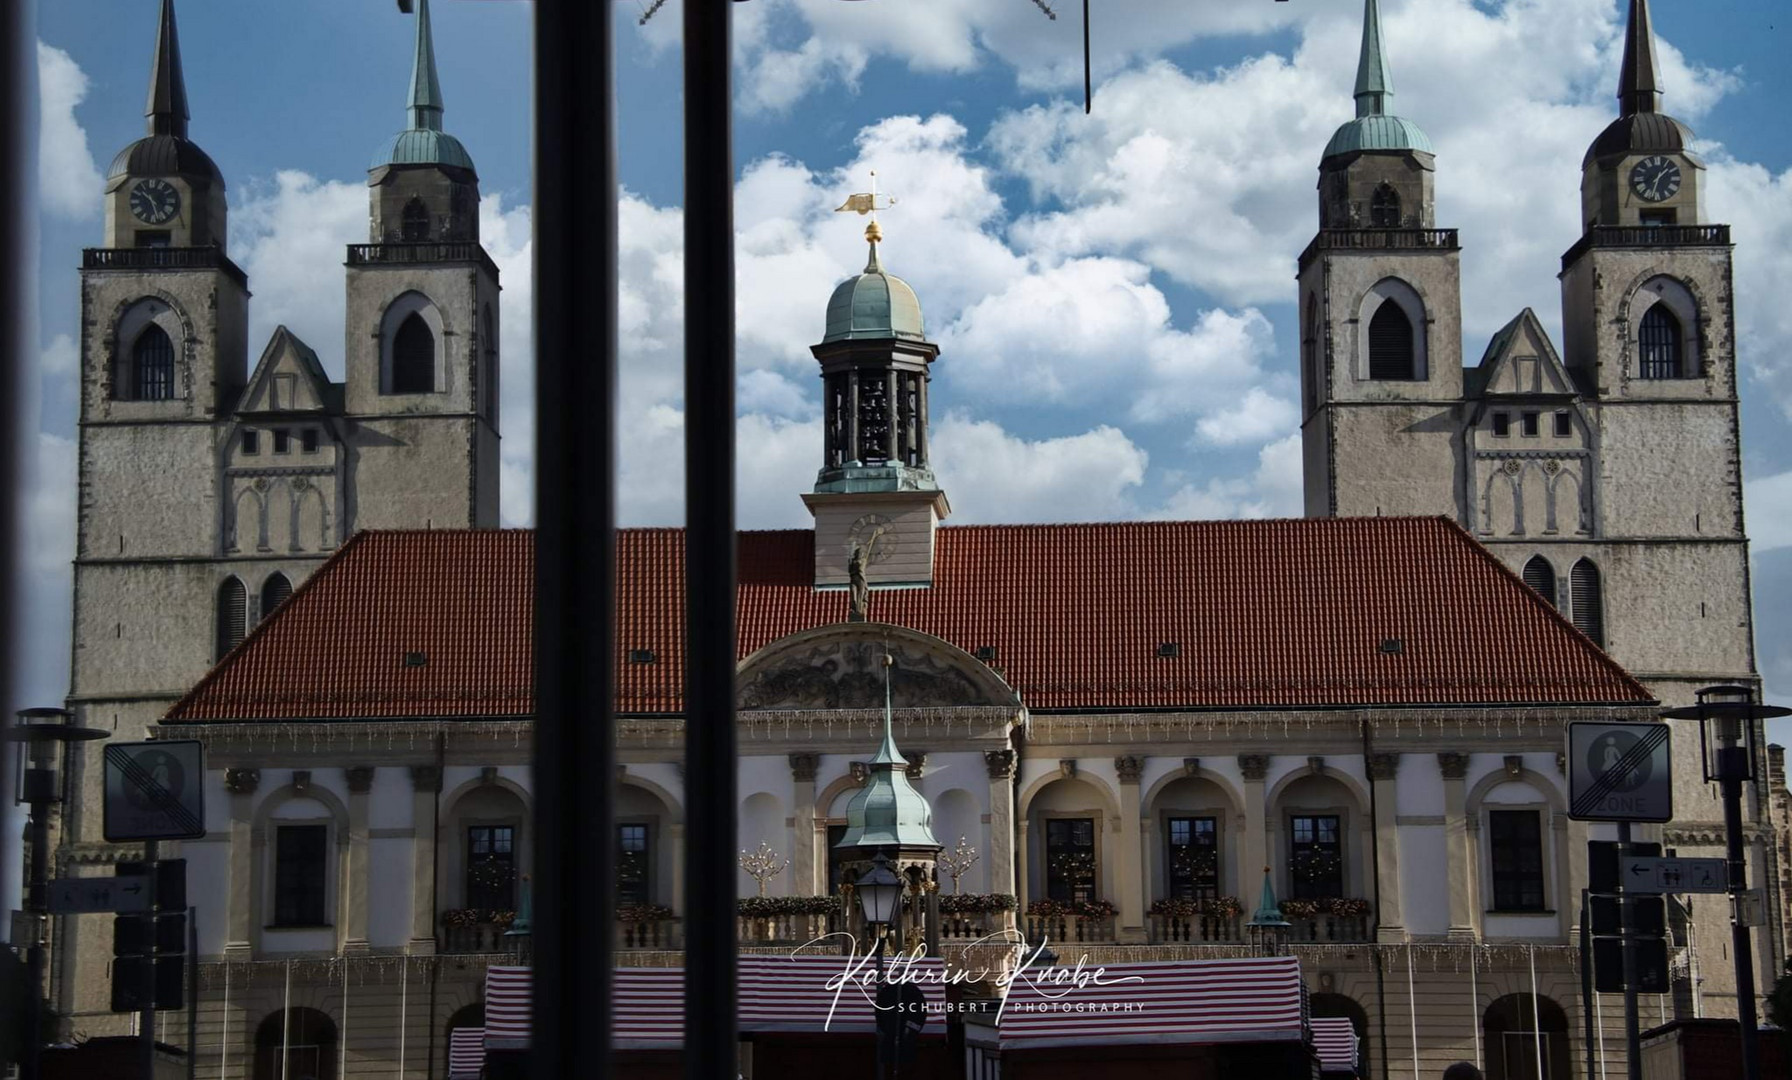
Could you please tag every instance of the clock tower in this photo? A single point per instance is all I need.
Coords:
(875, 501)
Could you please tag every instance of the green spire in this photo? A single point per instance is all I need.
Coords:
(887, 754)
(1638, 91)
(426, 89)
(1268, 912)
(1373, 83)
(888, 812)
(167, 109)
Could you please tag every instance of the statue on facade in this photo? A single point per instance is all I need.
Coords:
(859, 586)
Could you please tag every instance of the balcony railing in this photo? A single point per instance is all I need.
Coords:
(162, 258)
(1197, 929)
(419, 255)
(484, 936)
(786, 929)
(1647, 236)
(1327, 928)
(1056, 929)
(648, 934)
(1379, 240)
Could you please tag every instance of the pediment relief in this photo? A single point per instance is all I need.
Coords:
(841, 667)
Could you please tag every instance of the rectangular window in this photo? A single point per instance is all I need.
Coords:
(308, 440)
(1502, 425)
(1316, 857)
(154, 238)
(1070, 859)
(1530, 424)
(300, 875)
(1564, 425)
(282, 440)
(1658, 218)
(1194, 864)
(251, 442)
(491, 867)
(632, 885)
(1517, 859)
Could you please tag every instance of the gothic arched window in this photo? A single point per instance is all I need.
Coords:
(1384, 207)
(1390, 343)
(414, 226)
(233, 614)
(413, 357)
(152, 365)
(1587, 605)
(294, 1044)
(274, 591)
(1541, 576)
(1658, 343)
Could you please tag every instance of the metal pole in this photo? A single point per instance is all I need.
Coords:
(709, 774)
(224, 1033)
(1536, 1011)
(193, 994)
(878, 996)
(1732, 768)
(1412, 1013)
(36, 903)
(286, 1023)
(1474, 1003)
(1633, 1052)
(574, 227)
(146, 1019)
(1586, 975)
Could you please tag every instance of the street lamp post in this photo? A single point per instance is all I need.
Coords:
(41, 731)
(880, 893)
(1727, 715)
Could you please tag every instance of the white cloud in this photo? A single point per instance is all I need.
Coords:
(68, 181)
(1768, 501)
(1273, 490)
(289, 235)
(994, 476)
(1758, 206)
(1255, 418)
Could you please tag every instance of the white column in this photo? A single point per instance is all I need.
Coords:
(1382, 769)
(1001, 820)
(354, 891)
(1461, 870)
(1132, 880)
(426, 786)
(240, 902)
(802, 860)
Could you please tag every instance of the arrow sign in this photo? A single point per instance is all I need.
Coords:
(1676, 875)
(89, 896)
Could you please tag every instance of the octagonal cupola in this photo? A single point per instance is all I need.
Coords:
(1377, 169)
(422, 185)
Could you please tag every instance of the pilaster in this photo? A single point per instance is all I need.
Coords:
(802, 859)
(1001, 820)
(354, 881)
(240, 901)
(1382, 769)
(1132, 885)
(426, 787)
(1454, 767)
(1255, 768)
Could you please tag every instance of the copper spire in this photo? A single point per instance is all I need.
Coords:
(1638, 91)
(167, 109)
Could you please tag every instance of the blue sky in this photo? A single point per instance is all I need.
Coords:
(1113, 294)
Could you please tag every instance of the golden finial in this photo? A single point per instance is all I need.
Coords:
(867, 203)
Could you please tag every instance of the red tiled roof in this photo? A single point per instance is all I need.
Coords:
(1266, 613)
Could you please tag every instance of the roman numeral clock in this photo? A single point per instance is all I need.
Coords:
(155, 202)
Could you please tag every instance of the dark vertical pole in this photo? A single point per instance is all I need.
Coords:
(146, 1018)
(37, 904)
(1586, 978)
(1088, 74)
(1733, 766)
(1633, 1043)
(574, 221)
(192, 993)
(709, 781)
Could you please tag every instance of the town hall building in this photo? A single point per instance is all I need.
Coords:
(1127, 736)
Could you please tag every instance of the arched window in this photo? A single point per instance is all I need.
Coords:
(233, 614)
(1586, 601)
(1390, 343)
(274, 592)
(1658, 343)
(413, 357)
(152, 365)
(1384, 207)
(1521, 1030)
(1539, 575)
(414, 226)
(310, 1041)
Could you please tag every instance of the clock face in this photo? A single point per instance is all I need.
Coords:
(155, 202)
(873, 533)
(1655, 178)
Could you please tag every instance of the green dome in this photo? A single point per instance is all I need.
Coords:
(422, 146)
(1378, 132)
(874, 305)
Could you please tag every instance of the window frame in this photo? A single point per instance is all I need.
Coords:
(468, 828)
(1654, 341)
(223, 640)
(308, 440)
(1047, 871)
(1553, 593)
(1564, 424)
(1391, 308)
(645, 891)
(163, 382)
(1501, 424)
(315, 879)
(1530, 423)
(1503, 880)
(250, 443)
(1196, 887)
(1589, 620)
(1296, 889)
(281, 439)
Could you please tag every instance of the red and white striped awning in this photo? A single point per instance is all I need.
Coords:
(466, 1052)
(1334, 1040)
(776, 993)
(1256, 999)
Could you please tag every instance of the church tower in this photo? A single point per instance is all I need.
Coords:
(422, 329)
(1380, 303)
(875, 499)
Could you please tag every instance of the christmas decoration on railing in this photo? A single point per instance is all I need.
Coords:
(1343, 907)
(1071, 909)
(640, 913)
(957, 861)
(977, 903)
(763, 864)
(462, 918)
(1208, 907)
(763, 906)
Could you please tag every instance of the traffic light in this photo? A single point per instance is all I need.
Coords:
(157, 940)
(1648, 916)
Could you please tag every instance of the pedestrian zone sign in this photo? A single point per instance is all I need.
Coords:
(154, 791)
(1619, 772)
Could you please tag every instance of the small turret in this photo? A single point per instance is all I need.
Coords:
(424, 188)
(1377, 169)
(1639, 170)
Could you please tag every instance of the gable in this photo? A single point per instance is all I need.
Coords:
(287, 379)
(1521, 360)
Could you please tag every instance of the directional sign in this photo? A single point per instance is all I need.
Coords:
(1619, 772)
(1675, 875)
(86, 896)
(154, 791)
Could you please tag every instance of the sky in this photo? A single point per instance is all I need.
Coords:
(1112, 294)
